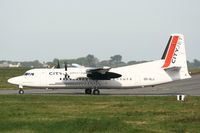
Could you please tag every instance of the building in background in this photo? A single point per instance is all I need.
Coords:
(11, 65)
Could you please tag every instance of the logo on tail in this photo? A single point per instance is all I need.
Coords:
(171, 51)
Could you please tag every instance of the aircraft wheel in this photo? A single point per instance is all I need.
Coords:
(96, 92)
(21, 91)
(88, 91)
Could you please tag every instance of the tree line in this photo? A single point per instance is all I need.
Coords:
(90, 61)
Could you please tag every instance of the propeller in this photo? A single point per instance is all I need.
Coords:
(65, 66)
(66, 75)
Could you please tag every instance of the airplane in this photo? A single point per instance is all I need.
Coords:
(172, 66)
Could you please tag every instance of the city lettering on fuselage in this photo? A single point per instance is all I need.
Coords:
(176, 53)
(55, 73)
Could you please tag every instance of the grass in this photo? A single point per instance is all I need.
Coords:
(195, 71)
(98, 114)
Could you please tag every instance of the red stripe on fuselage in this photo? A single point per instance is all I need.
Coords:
(171, 51)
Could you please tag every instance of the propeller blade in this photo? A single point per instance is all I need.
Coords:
(58, 65)
(65, 66)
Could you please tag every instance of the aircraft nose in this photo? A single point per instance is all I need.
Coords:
(13, 81)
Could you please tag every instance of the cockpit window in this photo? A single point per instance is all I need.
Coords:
(29, 74)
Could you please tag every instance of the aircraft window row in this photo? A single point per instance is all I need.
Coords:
(73, 79)
(88, 79)
(123, 79)
(29, 74)
(149, 79)
(77, 73)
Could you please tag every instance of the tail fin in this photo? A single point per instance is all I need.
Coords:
(175, 57)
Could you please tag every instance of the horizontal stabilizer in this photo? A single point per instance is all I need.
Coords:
(172, 69)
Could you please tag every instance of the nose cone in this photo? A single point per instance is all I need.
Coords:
(14, 81)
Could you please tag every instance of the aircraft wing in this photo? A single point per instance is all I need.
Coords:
(101, 74)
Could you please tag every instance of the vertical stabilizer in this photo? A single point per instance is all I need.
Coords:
(175, 57)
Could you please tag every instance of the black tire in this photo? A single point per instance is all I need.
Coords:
(96, 92)
(88, 91)
(21, 91)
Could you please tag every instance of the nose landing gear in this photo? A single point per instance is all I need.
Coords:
(21, 91)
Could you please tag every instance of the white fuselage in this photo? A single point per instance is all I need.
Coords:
(172, 66)
(140, 75)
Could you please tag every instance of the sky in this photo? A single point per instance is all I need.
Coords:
(65, 29)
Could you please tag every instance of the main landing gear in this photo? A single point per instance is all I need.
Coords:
(93, 88)
(94, 91)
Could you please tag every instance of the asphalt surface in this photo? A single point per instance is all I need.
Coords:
(187, 87)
